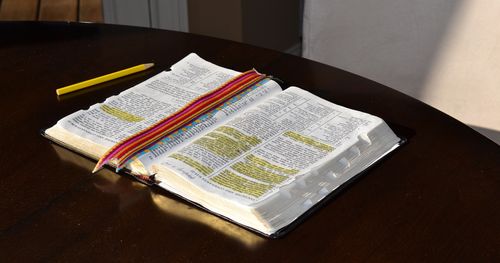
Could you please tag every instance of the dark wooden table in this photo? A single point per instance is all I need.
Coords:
(435, 199)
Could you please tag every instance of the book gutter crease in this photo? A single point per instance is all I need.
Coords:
(125, 149)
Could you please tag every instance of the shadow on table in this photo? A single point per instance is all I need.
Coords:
(131, 192)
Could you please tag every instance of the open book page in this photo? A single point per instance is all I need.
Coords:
(251, 156)
(135, 109)
(145, 159)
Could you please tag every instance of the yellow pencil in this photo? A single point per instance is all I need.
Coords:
(101, 79)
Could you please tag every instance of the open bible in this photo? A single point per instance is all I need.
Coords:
(262, 158)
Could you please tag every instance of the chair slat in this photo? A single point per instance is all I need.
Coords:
(19, 10)
(91, 11)
(58, 10)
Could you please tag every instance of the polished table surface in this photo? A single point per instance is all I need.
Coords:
(437, 198)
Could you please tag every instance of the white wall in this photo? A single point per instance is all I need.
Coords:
(165, 14)
(443, 52)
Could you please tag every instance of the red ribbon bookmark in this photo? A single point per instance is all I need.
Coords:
(126, 149)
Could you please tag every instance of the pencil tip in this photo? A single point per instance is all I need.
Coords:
(148, 65)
